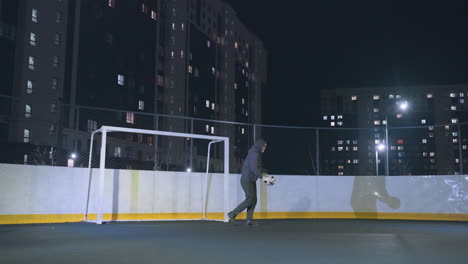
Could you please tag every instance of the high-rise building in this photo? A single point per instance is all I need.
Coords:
(132, 59)
(426, 138)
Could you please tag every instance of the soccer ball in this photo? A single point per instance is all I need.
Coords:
(268, 180)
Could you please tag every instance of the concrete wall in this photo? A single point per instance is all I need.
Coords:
(36, 194)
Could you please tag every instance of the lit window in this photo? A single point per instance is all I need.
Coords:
(53, 107)
(332, 117)
(235, 85)
(172, 54)
(339, 123)
(182, 26)
(130, 118)
(447, 127)
(173, 26)
(121, 80)
(376, 110)
(213, 70)
(429, 95)
(333, 149)
(424, 154)
(27, 112)
(57, 39)
(182, 54)
(355, 148)
(384, 122)
(356, 161)
(376, 97)
(332, 124)
(213, 106)
(236, 45)
(55, 61)
(462, 95)
(431, 128)
(464, 147)
(144, 8)
(243, 100)
(325, 118)
(423, 121)
(453, 95)
(432, 154)
(207, 128)
(207, 103)
(26, 135)
(457, 160)
(212, 130)
(454, 120)
(31, 63)
(340, 142)
(431, 134)
(340, 173)
(377, 141)
(400, 141)
(462, 101)
(393, 147)
(190, 69)
(29, 87)
(353, 98)
(141, 105)
(377, 122)
(355, 142)
(424, 141)
(455, 134)
(58, 17)
(243, 131)
(208, 44)
(341, 167)
(433, 161)
(391, 96)
(339, 117)
(34, 15)
(92, 125)
(52, 130)
(453, 107)
(32, 39)
(455, 140)
(398, 96)
(340, 148)
(399, 116)
(118, 152)
(111, 3)
(153, 15)
(400, 148)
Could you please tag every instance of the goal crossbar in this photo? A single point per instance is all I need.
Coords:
(102, 164)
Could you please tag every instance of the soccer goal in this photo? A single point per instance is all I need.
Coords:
(129, 194)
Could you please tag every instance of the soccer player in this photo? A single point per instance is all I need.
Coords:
(250, 173)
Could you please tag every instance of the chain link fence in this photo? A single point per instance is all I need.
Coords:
(56, 134)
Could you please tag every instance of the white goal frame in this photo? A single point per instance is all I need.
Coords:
(102, 166)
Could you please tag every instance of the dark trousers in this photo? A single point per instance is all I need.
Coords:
(250, 189)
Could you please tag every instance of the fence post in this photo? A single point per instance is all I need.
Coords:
(460, 152)
(156, 127)
(77, 124)
(191, 145)
(317, 140)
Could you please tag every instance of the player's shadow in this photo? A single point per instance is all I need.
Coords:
(367, 190)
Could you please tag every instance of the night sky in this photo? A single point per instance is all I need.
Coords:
(316, 45)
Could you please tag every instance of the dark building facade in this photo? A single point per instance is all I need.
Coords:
(81, 64)
(425, 139)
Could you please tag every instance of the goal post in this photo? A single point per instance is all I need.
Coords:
(101, 181)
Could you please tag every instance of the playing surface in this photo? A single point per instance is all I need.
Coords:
(274, 241)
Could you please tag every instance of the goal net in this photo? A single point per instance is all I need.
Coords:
(139, 174)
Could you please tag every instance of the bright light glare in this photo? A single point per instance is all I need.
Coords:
(404, 105)
(380, 147)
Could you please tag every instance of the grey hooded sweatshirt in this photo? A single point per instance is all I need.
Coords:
(251, 170)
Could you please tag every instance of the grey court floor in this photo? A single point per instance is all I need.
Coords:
(273, 241)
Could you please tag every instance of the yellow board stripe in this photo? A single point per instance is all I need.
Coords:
(63, 218)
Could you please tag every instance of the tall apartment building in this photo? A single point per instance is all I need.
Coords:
(190, 58)
(425, 139)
